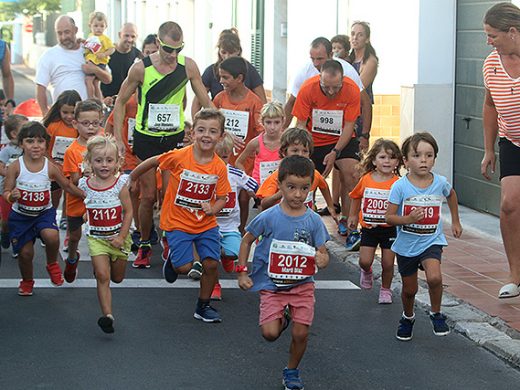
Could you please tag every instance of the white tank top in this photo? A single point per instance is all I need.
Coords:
(35, 190)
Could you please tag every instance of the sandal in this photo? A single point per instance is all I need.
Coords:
(509, 290)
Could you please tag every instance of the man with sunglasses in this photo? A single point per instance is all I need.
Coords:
(161, 79)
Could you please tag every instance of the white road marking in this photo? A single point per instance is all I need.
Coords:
(160, 283)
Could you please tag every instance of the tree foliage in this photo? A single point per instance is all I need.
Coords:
(8, 11)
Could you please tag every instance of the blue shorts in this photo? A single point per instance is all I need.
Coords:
(230, 242)
(23, 228)
(409, 265)
(181, 244)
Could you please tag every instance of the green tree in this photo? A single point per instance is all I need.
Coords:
(8, 11)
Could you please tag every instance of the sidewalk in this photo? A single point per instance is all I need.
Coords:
(24, 70)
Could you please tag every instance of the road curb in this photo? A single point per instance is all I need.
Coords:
(487, 331)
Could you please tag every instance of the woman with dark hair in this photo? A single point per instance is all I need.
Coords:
(228, 46)
(363, 56)
(501, 117)
(150, 45)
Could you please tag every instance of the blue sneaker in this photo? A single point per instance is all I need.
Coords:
(136, 239)
(353, 241)
(440, 327)
(405, 329)
(291, 379)
(342, 226)
(154, 237)
(168, 272)
(206, 313)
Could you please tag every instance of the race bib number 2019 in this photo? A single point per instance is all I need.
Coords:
(432, 209)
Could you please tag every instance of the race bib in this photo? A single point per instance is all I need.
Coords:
(163, 117)
(61, 145)
(432, 206)
(375, 203)
(105, 217)
(290, 262)
(131, 128)
(328, 122)
(93, 44)
(236, 122)
(231, 201)
(34, 198)
(267, 168)
(309, 200)
(195, 188)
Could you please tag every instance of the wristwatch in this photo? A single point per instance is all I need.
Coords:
(241, 268)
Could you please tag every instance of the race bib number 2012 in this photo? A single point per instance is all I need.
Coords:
(290, 262)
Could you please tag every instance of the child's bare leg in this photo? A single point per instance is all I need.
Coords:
(51, 238)
(335, 186)
(432, 267)
(25, 261)
(89, 82)
(366, 257)
(101, 265)
(408, 293)
(208, 278)
(300, 336)
(387, 263)
(97, 89)
(118, 270)
(56, 196)
(134, 197)
(272, 330)
(243, 202)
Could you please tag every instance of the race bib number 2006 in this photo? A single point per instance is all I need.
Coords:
(290, 262)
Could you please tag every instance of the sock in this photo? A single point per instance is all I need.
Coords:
(72, 261)
(432, 313)
(202, 302)
(409, 318)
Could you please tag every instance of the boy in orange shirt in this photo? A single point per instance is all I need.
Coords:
(196, 192)
(87, 120)
(241, 108)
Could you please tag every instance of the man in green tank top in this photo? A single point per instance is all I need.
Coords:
(160, 81)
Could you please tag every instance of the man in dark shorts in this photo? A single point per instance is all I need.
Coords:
(328, 105)
(161, 79)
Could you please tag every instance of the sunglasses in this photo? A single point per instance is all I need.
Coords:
(170, 49)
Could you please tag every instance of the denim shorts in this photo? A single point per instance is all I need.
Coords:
(409, 265)
(181, 245)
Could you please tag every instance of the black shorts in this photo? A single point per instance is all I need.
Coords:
(409, 265)
(349, 151)
(74, 223)
(146, 146)
(509, 158)
(378, 235)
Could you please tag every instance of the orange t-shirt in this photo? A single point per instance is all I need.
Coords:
(325, 117)
(237, 114)
(374, 199)
(190, 184)
(270, 187)
(61, 137)
(73, 163)
(127, 132)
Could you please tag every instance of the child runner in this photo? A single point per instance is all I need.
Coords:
(87, 121)
(380, 168)
(229, 217)
(58, 122)
(9, 154)
(27, 187)
(265, 147)
(414, 206)
(109, 214)
(284, 262)
(241, 107)
(98, 49)
(294, 141)
(196, 192)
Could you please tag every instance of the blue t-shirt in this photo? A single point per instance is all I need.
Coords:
(403, 192)
(275, 224)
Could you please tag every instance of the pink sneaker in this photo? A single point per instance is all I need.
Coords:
(366, 280)
(54, 271)
(385, 296)
(26, 288)
(216, 295)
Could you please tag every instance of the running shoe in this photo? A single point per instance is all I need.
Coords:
(206, 313)
(66, 243)
(136, 239)
(154, 237)
(71, 269)
(366, 279)
(216, 295)
(440, 327)
(144, 257)
(353, 241)
(196, 270)
(54, 271)
(169, 273)
(165, 248)
(25, 289)
(405, 329)
(287, 318)
(228, 263)
(342, 226)
(385, 296)
(291, 379)
(106, 323)
(63, 223)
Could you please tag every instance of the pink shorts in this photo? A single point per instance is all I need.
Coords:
(300, 300)
(5, 207)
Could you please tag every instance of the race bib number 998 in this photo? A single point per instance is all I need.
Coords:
(327, 121)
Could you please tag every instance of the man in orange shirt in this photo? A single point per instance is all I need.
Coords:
(328, 105)
(196, 192)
